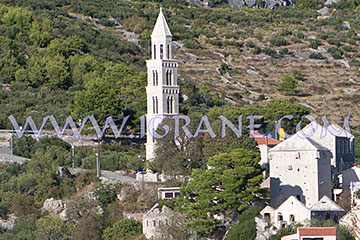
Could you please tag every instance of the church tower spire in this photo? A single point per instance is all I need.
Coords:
(162, 87)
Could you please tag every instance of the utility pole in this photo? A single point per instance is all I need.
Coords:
(12, 142)
(73, 155)
(98, 171)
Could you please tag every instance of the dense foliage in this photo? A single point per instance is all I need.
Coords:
(230, 184)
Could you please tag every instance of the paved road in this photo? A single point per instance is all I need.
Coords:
(5, 156)
(125, 178)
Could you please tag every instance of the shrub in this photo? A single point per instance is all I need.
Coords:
(250, 44)
(298, 75)
(316, 56)
(348, 48)
(122, 229)
(315, 43)
(287, 85)
(334, 41)
(300, 35)
(336, 53)
(107, 193)
(355, 63)
(286, 32)
(278, 41)
(270, 52)
(256, 50)
(295, 40)
(224, 68)
(191, 44)
(284, 51)
(24, 146)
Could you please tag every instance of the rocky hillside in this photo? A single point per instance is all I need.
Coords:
(244, 53)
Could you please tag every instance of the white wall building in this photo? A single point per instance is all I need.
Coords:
(299, 167)
(350, 175)
(313, 233)
(293, 211)
(162, 87)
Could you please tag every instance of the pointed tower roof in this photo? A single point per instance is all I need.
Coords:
(161, 28)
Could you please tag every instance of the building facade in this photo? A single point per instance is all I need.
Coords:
(162, 87)
(299, 167)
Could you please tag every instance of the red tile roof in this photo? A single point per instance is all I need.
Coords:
(317, 231)
(263, 140)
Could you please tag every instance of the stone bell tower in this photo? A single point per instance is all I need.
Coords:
(162, 87)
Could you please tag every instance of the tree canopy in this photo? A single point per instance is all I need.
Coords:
(231, 183)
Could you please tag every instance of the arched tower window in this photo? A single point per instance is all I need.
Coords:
(154, 51)
(167, 105)
(168, 51)
(153, 105)
(170, 77)
(171, 104)
(161, 51)
(156, 105)
(167, 77)
(156, 78)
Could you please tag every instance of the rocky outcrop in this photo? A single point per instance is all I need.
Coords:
(9, 223)
(352, 221)
(270, 4)
(54, 206)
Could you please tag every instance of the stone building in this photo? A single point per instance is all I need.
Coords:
(299, 167)
(340, 144)
(162, 87)
(154, 220)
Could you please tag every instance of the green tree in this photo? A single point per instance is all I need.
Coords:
(122, 230)
(287, 85)
(24, 146)
(245, 229)
(53, 228)
(231, 184)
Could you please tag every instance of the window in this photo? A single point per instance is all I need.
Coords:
(154, 110)
(337, 146)
(280, 217)
(177, 194)
(168, 51)
(292, 218)
(167, 77)
(154, 51)
(147, 223)
(161, 51)
(169, 104)
(156, 105)
(267, 218)
(170, 77)
(169, 195)
(156, 78)
(154, 223)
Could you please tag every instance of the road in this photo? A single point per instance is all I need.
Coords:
(124, 178)
(5, 156)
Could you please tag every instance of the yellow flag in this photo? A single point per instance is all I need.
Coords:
(281, 134)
